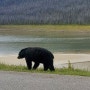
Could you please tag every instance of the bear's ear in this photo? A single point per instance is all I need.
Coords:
(29, 52)
(22, 53)
(23, 50)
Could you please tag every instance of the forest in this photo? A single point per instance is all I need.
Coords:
(44, 12)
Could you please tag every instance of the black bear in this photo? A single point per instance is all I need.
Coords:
(37, 55)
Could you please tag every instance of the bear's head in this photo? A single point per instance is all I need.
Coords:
(21, 54)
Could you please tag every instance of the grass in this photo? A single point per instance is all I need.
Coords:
(46, 30)
(47, 27)
(63, 71)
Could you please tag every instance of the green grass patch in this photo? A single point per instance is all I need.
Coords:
(63, 71)
(53, 31)
(47, 27)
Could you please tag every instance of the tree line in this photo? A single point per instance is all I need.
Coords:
(44, 12)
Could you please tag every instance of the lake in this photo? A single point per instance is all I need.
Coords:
(12, 44)
(62, 39)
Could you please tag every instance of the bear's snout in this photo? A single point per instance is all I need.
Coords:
(18, 57)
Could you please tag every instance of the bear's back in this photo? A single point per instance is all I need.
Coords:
(40, 51)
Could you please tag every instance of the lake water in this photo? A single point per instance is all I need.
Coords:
(12, 44)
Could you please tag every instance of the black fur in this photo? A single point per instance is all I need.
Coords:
(37, 55)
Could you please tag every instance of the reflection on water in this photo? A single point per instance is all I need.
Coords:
(12, 44)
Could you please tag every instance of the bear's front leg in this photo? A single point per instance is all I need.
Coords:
(35, 65)
(29, 64)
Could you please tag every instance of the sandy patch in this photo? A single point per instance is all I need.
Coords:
(81, 61)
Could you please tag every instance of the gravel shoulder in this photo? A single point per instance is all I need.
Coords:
(38, 81)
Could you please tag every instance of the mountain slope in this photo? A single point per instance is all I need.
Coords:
(44, 11)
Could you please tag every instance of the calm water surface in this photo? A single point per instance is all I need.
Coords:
(12, 44)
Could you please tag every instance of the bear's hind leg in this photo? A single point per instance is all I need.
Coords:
(51, 67)
(45, 67)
